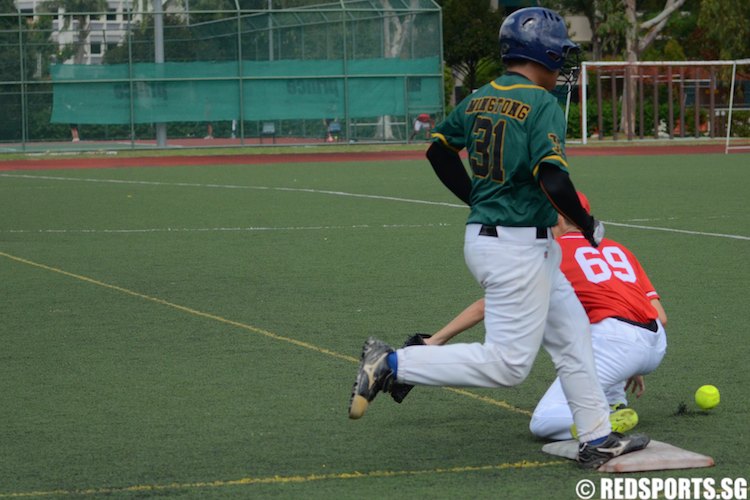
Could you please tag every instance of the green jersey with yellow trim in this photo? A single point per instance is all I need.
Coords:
(508, 128)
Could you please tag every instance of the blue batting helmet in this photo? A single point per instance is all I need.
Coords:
(536, 34)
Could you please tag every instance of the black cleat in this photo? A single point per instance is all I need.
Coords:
(374, 376)
(616, 444)
(399, 390)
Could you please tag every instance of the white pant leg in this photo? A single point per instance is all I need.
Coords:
(620, 352)
(516, 273)
(658, 348)
(568, 340)
(618, 358)
(552, 418)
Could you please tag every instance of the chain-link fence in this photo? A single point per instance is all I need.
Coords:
(128, 75)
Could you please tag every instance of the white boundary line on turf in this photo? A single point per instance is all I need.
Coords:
(232, 186)
(684, 231)
(335, 193)
(225, 229)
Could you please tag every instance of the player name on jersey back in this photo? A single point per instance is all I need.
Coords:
(503, 105)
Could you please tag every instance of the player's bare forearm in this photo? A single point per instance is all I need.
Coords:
(468, 318)
(660, 311)
(450, 170)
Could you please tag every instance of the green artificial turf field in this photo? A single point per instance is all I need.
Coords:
(194, 331)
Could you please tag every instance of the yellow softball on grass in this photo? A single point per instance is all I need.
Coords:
(707, 397)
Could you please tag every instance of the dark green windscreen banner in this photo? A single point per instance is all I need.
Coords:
(270, 90)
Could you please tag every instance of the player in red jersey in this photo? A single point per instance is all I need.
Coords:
(627, 327)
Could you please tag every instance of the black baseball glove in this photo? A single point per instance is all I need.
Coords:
(398, 390)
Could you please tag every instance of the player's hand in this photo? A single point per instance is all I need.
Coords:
(595, 235)
(637, 385)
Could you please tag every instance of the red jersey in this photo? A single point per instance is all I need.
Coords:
(608, 280)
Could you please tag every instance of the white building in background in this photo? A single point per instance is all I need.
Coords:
(579, 28)
(105, 31)
(110, 29)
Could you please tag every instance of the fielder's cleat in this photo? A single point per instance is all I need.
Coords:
(622, 419)
(374, 376)
(594, 456)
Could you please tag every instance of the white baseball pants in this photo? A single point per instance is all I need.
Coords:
(621, 351)
(528, 303)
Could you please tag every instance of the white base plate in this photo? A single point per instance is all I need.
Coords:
(656, 456)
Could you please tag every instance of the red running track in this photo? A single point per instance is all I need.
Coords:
(323, 157)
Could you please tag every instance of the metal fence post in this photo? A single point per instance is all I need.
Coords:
(656, 104)
(712, 103)
(600, 117)
(614, 105)
(697, 103)
(670, 98)
(161, 128)
(240, 76)
(583, 105)
(682, 101)
(22, 69)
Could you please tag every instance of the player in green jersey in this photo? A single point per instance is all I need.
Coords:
(513, 130)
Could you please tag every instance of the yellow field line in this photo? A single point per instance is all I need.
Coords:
(247, 481)
(485, 399)
(188, 310)
(254, 329)
(273, 479)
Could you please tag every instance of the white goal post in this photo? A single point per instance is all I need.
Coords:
(633, 87)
